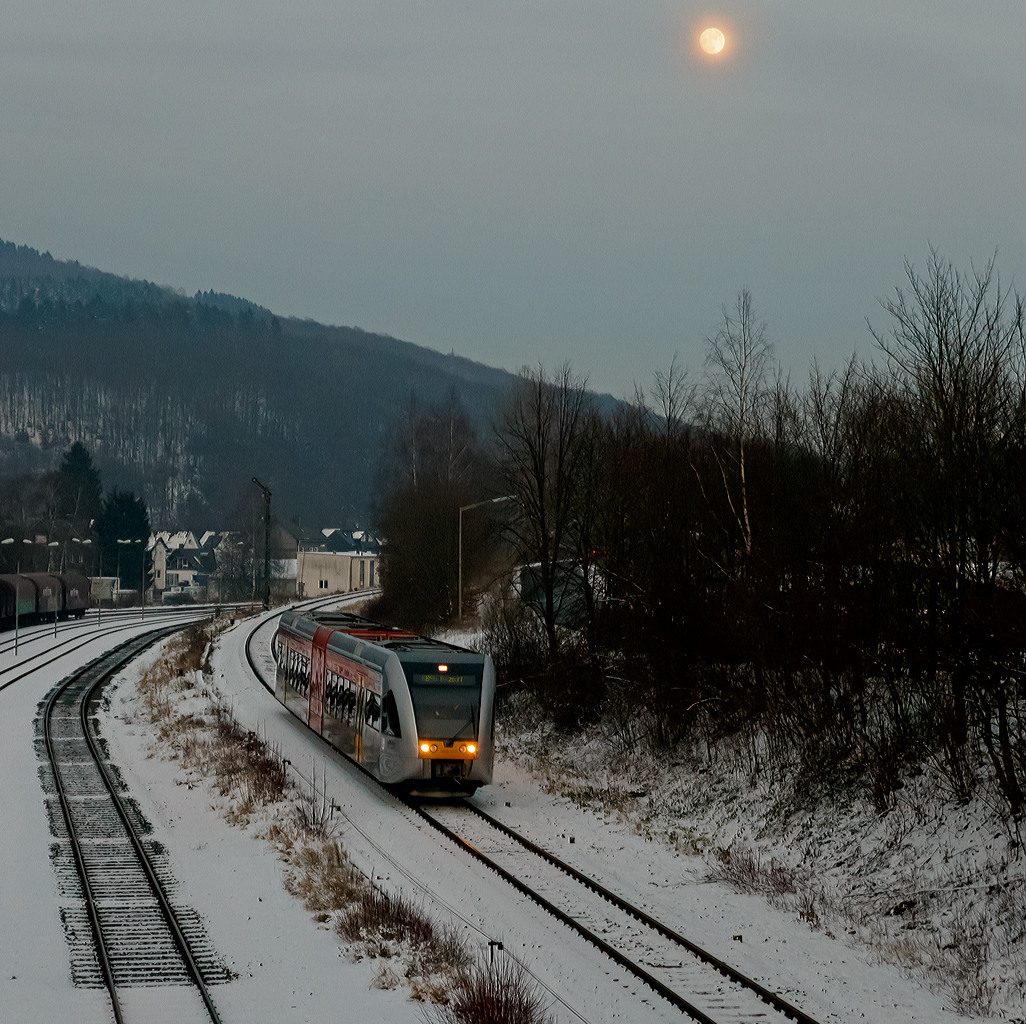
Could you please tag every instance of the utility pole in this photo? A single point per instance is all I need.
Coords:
(267, 543)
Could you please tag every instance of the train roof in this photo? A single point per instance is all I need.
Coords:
(366, 631)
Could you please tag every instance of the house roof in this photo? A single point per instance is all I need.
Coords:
(197, 561)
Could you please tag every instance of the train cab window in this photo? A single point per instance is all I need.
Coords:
(372, 712)
(390, 716)
(446, 703)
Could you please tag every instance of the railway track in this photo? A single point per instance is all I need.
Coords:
(84, 633)
(679, 970)
(124, 932)
(687, 976)
(110, 618)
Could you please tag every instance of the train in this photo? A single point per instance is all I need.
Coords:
(418, 714)
(31, 597)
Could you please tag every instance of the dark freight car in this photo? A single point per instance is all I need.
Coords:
(38, 597)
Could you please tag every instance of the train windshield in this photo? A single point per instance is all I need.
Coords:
(446, 704)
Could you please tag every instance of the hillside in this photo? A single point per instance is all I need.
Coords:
(184, 399)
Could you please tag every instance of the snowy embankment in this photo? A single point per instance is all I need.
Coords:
(658, 849)
(932, 889)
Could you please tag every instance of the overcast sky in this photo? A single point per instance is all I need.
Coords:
(523, 182)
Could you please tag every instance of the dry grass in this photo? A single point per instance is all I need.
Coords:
(243, 762)
(500, 993)
(321, 875)
(741, 869)
(376, 924)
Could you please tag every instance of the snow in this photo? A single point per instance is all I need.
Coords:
(290, 968)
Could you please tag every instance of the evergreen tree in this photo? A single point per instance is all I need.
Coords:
(80, 493)
(124, 517)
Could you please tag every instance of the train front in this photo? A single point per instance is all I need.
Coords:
(449, 747)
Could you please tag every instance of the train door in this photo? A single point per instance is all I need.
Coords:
(371, 725)
(361, 701)
(315, 717)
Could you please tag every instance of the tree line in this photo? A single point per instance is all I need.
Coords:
(830, 576)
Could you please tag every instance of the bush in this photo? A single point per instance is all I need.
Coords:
(500, 993)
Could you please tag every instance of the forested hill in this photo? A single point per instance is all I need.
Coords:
(184, 399)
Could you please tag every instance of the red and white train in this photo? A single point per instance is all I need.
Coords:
(417, 713)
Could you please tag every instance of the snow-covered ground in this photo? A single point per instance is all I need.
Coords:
(291, 968)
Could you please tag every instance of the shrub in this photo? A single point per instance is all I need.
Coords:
(499, 993)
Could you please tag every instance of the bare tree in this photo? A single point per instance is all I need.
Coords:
(432, 466)
(740, 358)
(955, 351)
(543, 454)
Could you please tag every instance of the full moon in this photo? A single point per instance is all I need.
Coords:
(712, 40)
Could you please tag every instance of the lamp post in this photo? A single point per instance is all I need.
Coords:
(267, 543)
(10, 540)
(49, 556)
(459, 548)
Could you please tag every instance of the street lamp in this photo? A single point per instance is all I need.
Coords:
(459, 550)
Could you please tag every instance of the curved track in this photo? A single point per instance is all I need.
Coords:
(124, 932)
(699, 984)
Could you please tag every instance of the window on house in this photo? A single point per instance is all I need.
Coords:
(372, 572)
(361, 573)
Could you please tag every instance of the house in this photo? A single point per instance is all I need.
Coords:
(182, 565)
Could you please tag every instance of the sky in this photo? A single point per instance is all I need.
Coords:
(524, 182)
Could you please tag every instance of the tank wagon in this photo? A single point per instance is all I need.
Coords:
(38, 597)
(417, 713)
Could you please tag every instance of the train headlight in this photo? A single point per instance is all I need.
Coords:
(471, 748)
(424, 748)
(434, 748)
(463, 748)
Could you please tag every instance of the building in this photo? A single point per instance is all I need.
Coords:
(182, 565)
(341, 563)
